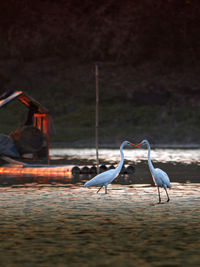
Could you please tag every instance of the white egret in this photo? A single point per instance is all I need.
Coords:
(160, 177)
(105, 178)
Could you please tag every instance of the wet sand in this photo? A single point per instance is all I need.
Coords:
(69, 225)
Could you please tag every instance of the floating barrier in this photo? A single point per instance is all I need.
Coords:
(57, 171)
(129, 169)
(36, 170)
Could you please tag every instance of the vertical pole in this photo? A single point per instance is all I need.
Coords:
(48, 137)
(97, 116)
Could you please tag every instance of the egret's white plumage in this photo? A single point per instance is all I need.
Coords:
(105, 178)
(160, 177)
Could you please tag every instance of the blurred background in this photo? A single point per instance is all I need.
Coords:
(148, 53)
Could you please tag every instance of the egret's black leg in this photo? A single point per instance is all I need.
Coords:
(168, 199)
(99, 189)
(106, 189)
(159, 195)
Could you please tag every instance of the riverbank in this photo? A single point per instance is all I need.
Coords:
(134, 103)
(148, 70)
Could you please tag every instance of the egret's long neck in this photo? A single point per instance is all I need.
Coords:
(122, 159)
(151, 167)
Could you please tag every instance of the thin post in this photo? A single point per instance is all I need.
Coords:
(97, 116)
(48, 137)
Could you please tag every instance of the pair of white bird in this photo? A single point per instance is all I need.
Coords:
(160, 177)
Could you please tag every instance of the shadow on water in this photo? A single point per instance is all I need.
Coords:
(181, 173)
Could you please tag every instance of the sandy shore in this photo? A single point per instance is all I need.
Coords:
(69, 225)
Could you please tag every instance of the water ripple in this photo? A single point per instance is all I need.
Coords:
(162, 155)
(44, 225)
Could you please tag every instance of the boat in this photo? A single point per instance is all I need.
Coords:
(31, 142)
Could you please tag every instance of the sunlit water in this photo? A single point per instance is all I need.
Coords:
(48, 223)
(136, 155)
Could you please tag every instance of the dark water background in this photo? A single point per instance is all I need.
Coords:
(49, 222)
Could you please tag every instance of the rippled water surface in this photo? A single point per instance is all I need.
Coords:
(136, 155)
(69, 225)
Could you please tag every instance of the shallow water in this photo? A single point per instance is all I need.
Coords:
(51, 222)
(43, 225)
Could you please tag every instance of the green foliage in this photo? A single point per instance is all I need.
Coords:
(49, 50)
(74, 119)
(12, 117)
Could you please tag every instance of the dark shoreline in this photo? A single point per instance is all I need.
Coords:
(116, 146)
